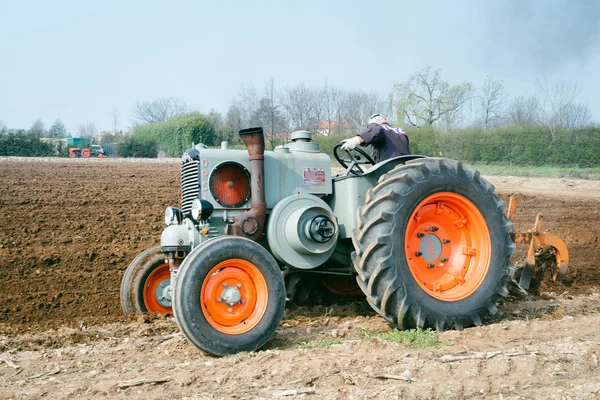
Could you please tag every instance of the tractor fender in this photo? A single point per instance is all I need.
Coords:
(386, 166)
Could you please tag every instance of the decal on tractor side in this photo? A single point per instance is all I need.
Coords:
(314, 176)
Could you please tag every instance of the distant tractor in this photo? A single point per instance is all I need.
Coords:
(78, 147)
(425, 239)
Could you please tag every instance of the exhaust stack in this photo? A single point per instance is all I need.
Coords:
(251, 224)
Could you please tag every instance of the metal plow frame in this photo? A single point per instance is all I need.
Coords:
(535, 240)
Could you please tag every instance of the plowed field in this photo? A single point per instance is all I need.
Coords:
(69, 229)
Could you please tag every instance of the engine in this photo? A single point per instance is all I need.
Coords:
(250, 192)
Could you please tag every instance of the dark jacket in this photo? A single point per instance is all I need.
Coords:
(387, 141)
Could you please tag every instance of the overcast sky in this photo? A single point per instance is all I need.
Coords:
(77, 60)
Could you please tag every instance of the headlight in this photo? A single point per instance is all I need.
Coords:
(201, 209)
(172, 216)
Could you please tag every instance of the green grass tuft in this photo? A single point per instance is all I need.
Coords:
(414, 338)
(323, 343)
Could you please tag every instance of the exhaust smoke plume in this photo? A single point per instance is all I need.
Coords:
(544, 34)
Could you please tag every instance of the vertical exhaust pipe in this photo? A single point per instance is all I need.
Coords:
(251, 224)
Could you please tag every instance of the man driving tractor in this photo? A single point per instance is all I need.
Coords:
(388, 141)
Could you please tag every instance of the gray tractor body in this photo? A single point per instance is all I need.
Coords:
(300, 191)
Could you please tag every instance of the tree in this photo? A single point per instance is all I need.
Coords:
(232, 125)
(303, 107)
(426, 98)
(57, 130)
(3, 127)
(559, 107)
(158, 110)
(491, 103)
(523, 110)
(357, 106)
(330, 108)
(87, 130)
(114, 115)
(38, 129)
(269, 114)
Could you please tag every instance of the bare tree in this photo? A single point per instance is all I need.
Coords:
(87, 130)
(158, 110)
(559, 107)
(330, 96)
(247, 102)
(575, 115)
(491, 103)
(3, 127)
(302, 105)
(358, 106)
(425, 98)
(270, 116)
(523, 110)
(115, 115)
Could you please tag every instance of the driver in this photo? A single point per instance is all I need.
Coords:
(388, 141)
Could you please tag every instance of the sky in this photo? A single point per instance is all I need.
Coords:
(79, 60)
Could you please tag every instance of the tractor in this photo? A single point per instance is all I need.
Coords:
(426, 240)
(78, 147)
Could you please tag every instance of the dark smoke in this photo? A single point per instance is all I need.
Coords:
(546, 34)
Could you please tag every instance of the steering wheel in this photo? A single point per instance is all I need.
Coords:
(352, 159)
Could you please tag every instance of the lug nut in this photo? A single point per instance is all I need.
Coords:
(418, 253)
(444, 259)
(430, 266)
(420, 234)
(230, 309)
(433, 229)
(243, 301)
(446, 241)
(219, 300)
(239, 285)
(224, 284)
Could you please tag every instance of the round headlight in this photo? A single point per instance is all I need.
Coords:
(201, 209)
(196, 209)
(169, 216)
(172, 216)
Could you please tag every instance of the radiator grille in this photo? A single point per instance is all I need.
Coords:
(189, 185)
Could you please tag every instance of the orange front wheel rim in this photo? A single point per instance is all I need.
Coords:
(157, 290)
(234, 296)
(448, 247)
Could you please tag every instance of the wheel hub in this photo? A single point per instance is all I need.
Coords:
(431, 247)
(231, 295)
(163, 293)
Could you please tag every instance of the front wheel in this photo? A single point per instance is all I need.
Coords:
(433, 246)
(229, 296)
(146, 285)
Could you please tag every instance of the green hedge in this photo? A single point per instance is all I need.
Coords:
(21, 143)
(176, 135)
(511, 145)
(135, 146)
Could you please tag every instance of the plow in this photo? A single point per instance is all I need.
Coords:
(535, 239)
(424, 239)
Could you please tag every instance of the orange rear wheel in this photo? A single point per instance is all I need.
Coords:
(234, 296)
(432, 245)
(447, 246)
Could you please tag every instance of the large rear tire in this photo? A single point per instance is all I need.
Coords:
(229, 296)
(433, 246)
(146, 284)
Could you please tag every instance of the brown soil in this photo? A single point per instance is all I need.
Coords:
(69, 229)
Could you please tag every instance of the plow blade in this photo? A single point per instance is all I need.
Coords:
(535, 239)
